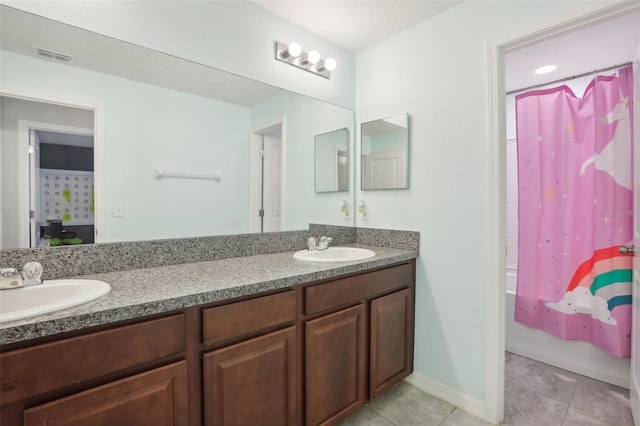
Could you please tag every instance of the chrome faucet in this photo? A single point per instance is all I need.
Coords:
(323, 244)
(12, 278)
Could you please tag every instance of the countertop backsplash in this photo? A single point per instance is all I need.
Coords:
(69, 261)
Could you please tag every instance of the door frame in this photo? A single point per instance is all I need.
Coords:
(634, 398)
(254, 169)
(98, 144)
(495, 184)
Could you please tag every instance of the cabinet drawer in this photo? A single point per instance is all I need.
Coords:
(248, 317)
(336, 293)
(33, 371)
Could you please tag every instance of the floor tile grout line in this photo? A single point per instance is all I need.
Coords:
(380, 415)
(448, 415)
(573, 395)
(539, 393)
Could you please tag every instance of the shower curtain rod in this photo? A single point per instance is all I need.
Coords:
(560, 80)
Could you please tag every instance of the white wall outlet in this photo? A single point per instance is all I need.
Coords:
(118, 210)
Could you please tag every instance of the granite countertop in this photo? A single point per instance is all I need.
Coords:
(140, 292)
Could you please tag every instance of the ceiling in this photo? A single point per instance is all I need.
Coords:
(356, 24)
(608, 43)
(57, 138)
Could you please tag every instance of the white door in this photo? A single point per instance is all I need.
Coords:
(34, 188)
(272, 183)
(635, 342)
(266, 178)
(384, 170)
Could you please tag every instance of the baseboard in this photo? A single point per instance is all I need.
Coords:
(454, 397)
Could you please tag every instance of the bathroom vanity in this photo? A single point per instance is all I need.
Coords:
(254, 340)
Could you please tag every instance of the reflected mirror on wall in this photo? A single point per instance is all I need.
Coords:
(332, 161)
(385, 153)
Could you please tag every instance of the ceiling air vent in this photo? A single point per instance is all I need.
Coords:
(51, 54)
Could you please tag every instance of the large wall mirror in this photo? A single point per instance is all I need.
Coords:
(385, 153)
(332, 161)
(67, 92)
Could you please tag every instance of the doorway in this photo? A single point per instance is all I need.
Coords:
(61, 170)
(496, 189)
(49, 158)
(266, 178)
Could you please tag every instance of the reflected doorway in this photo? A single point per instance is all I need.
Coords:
(47, 167)
(266, 179)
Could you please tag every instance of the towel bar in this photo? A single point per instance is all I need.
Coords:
(159, 174)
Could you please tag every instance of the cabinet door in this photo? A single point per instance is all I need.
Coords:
(335, 365)
(253, 382)
(391, 341)
(157, 397)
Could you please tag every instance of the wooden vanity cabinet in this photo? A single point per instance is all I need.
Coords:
(156, 397)
(136, 372)
(335, 354)
(358, 340)
(251, 381)
(391, 340)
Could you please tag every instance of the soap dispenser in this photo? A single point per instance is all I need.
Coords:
(344, 209)
(363, 210)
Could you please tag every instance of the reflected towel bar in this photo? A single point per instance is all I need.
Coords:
(159, 174)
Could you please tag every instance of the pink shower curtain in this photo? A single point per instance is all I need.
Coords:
(575, 210)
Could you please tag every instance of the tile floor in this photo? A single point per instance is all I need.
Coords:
(536, 394)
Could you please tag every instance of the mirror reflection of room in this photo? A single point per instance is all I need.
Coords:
(48, 184)
(332, 161)
(384, 150)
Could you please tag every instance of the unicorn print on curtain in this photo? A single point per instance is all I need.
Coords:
(575, 211)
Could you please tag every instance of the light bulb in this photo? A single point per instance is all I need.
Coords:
(330, 64)
(313, 57)
(294, 49)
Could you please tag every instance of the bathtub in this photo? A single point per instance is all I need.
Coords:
(579, 357)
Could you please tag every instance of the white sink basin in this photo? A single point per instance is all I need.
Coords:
(50, 296)
(334, 254)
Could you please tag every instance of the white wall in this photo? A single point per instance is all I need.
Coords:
(235, 36)
(443, 88)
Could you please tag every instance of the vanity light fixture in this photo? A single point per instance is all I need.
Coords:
(310, 61)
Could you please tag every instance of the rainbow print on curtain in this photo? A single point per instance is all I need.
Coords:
(575, 211)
